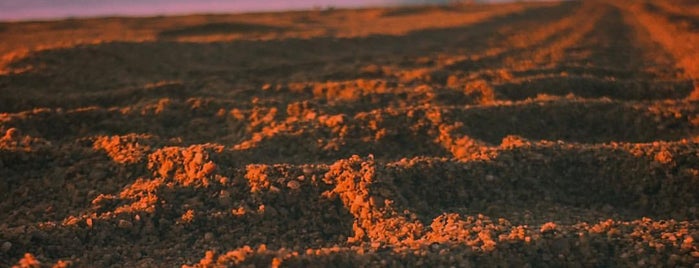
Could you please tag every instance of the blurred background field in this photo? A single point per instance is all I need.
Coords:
(13, 10)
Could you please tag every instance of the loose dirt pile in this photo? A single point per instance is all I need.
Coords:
(545, 134)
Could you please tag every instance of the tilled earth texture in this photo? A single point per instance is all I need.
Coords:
(542, 134)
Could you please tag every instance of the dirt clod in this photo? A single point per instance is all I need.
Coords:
(124, 224)
(6, 246)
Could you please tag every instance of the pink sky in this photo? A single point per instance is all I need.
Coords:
(52, 9)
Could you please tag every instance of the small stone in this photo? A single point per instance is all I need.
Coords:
(224, 198)
(276, 262)
(12, 134)
(307, 171)
(548, 227)
(561, 246)
(124, 224)
(293, 184)
(209, 236)
(607, 208)
(271, 211)
(6, 246)
(98, 174)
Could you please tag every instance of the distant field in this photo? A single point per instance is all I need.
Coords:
(542, 133)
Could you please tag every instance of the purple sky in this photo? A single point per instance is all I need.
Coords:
(52, 9)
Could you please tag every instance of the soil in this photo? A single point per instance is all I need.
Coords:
(539, 134)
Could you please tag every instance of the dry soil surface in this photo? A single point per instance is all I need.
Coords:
(512, 135)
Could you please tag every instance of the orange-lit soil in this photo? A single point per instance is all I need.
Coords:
(548, 134)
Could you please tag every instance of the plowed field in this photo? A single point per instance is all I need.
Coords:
(540, 134)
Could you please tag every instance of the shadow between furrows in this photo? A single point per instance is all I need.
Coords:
(176, 121)
(603, 252)
(583, 122)
(104, 67)
(412, 10)
(218, 28)
(534, 185)
(688, 21)
(594, 87)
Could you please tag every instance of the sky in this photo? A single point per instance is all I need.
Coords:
(13, 10)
